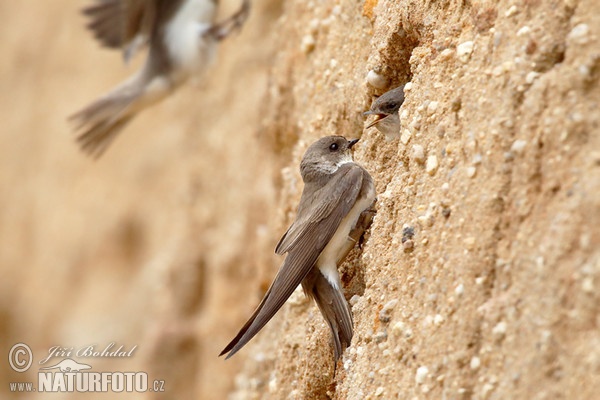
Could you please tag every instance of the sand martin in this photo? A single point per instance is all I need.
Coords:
(334, 211)
(181, 37)
(386, 110)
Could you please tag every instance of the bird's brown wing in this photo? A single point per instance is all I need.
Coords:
(321, 203)
(121, 24)
(315, 226)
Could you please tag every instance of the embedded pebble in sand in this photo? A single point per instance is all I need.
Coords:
(471, 171)
(580, 34)
(511, 11)
(432, 108)
(418, 153)
(384, 314)
(518, 146)
(401, 329)
(308, 43)
(459, 290)
(421, 375)
(446, 54)
(377, 80)
(524, 31)
(464, 50)
(531, 76)
(405, 136)
(499, 330)
(432, 165)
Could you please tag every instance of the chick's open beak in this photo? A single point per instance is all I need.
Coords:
(378, 118)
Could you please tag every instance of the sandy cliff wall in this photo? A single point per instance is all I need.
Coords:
(167, 241)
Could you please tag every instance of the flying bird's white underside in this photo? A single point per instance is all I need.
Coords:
(185, 40)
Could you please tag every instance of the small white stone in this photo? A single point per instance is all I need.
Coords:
(347, 364)
(446, 54)
(432, 165)
(499, 330)
(445, 187)
(425, 220)
(471, 171)
(486, 390)
(524, 31)
(313, 25)
(272, 385)
(585, 71)
(464, 50)
(379, 391)
(579, 34)
(588, 285)
(405, 136)
(438, 320)
(421, 375)
(511, 11)
(459, 290)
(418, 153)
(475, 363)
(469, 242)
(384, 314)
(518, 146)
(532, 76)
(308, 43)
(432, 107)
(377, 80)
(497, 71)
(404, 116)
(401, 329)
(497, 38)
(390, 304)
(408, 86)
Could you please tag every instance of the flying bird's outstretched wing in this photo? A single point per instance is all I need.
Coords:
(122, 24)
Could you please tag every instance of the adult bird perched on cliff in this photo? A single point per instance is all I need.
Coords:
(386, 109)
(334, 211)
(181, 36)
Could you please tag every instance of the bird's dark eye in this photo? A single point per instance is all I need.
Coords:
(333, 146)
(392, 106)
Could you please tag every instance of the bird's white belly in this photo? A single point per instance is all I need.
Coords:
(328, 259)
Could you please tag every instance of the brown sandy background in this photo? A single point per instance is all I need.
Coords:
(167, 241)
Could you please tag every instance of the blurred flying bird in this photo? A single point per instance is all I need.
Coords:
(181, 37)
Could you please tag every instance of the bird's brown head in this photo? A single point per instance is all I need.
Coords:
(325, 156)
(387, 104)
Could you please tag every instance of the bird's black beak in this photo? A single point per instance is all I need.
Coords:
(352, 143)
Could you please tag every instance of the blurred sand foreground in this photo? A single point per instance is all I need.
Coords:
(165, 245)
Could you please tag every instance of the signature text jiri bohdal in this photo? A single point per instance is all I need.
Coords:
(92, 351)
